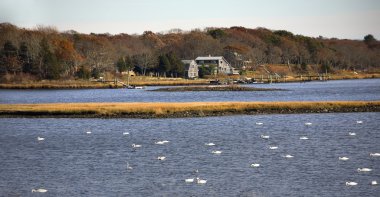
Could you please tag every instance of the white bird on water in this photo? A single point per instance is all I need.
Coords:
(40, 138)
(189, 180)
(39, 190)
(359, 122)
(259, 123)
(161, 158)
(201, 181)
(373, 182)
(344, 158)
(129, 167)
(125, 133)
(255, 165)
(88, 132)
(308, 123)
(264, 136)
(351, 133)
(162, 142)
(288, 156)
(217, 152)
(374, 154)
(136, 145)
(351, 183)
(273, 147)
(364, 169)
(210, 144)
(304, 138)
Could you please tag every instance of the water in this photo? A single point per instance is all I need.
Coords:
(366, 89)
(70, 162)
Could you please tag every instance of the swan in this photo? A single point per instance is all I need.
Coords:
(259, 123)
(304, 138)
(189, 180)
(351, 183)
(359, 122)
(264, 136)
(351, 133)
(201, 181)
(344, 158)
(288, 156)
(136, 145)
(374, 154)
(39, 190)
(364, 169)
(308, 123)
(125, 133)
(273, 147)
(255, 165)
(161, 158)
(40, 138)
(210, 144)
(216, 152)
(373, 182)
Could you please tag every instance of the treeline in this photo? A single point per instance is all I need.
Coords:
(45, 53)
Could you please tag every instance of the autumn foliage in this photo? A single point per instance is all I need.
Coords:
(45, 53)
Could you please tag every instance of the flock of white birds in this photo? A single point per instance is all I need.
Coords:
(218, 152)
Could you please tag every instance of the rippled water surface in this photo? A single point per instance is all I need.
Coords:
(70, 162)
(367, 89)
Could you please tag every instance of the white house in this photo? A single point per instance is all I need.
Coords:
(222, 66)
(191, 69)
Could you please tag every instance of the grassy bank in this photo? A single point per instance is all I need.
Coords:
(213, 88)
(191, 109)
(81, 84)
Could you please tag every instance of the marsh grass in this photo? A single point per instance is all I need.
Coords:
(190, 109)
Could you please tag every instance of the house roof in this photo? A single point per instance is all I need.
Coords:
(210, 58)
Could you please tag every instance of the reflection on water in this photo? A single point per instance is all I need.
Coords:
(368, 89)
(95, 157)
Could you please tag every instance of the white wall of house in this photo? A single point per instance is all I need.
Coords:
(223, 67)
(191, 69)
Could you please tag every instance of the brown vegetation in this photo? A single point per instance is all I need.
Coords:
(213, 88)
(193, 109)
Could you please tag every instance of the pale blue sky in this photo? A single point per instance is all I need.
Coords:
(351, 19)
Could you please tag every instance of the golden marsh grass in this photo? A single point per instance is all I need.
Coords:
(189, 109)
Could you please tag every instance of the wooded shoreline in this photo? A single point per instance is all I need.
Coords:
(180, 110)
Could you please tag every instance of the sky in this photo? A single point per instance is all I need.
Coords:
(344, 19)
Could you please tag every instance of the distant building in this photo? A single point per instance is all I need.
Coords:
(191, 69)
(221, 64)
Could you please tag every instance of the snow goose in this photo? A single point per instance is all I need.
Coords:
(125, 133)
(189, 180)
(304, 138)
(210, 144)
(308, 123)
(264, 136)
(259, 123)
(359, 122)
(351, 133)
(373, 182)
